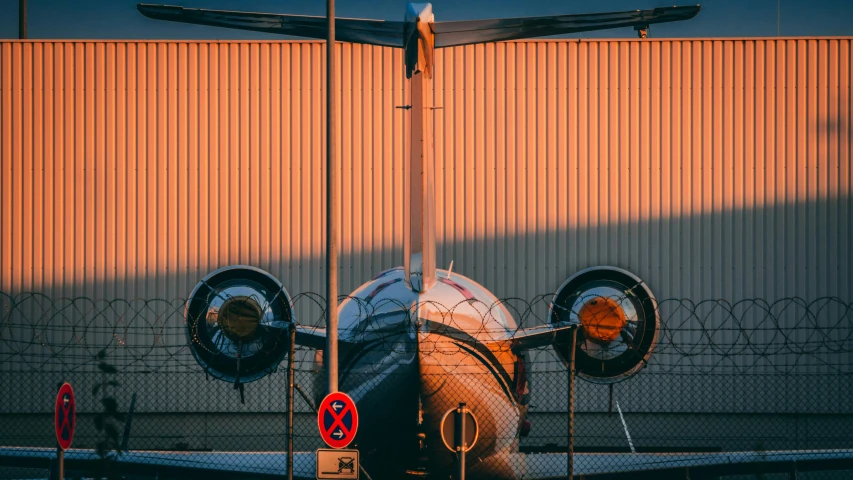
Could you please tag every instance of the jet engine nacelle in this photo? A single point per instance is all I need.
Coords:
(619, 323)
(238, 323)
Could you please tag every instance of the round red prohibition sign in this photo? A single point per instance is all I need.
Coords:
(65, 416)
(337, 420)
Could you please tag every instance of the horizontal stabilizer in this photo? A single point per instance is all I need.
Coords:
(449, 34)
(373, 32)
(391, 34)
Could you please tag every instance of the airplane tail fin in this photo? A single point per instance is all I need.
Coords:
(419, 197)
(450, 34)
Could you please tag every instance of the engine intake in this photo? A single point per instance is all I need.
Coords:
(619, 323)
(238, 320)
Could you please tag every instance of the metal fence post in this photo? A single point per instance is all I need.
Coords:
(570, 448)
(460, 439)
(290, 384)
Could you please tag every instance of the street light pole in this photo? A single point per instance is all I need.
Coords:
(331, 209)
(22, 19)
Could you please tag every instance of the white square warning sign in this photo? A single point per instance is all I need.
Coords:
(337, 464)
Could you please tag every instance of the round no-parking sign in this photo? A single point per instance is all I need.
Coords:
(65, 416)
(337, 420)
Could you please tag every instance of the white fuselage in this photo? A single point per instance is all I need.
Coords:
(421, 354)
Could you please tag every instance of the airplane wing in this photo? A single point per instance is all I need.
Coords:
(212, 465)
(373, 32)
(215, 465)
(449, 34)
(671, 465)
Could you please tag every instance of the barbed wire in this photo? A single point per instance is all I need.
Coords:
(726, 376)
(787, 336)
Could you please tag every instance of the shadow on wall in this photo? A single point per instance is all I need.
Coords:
(798, 249)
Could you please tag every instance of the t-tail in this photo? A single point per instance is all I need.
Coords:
(419, 35)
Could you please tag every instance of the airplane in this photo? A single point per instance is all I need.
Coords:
(416, 340)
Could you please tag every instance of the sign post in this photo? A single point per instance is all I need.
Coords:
(64, 420)
(331, 208)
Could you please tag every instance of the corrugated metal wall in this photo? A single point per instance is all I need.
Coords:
(710, 168)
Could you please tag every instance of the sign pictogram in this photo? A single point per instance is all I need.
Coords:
(337, 464)
(337, 420)
(65, 416)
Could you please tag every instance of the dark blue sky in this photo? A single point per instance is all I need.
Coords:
(719, 18)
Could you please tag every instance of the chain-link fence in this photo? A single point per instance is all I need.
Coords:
(753, 378)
